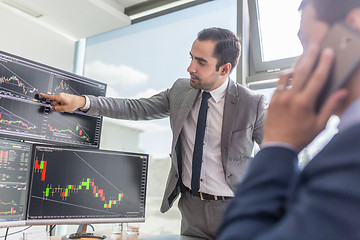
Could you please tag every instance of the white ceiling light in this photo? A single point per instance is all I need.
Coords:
(159, 9)
(21, 7)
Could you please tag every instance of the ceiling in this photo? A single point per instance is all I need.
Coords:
(78, 19)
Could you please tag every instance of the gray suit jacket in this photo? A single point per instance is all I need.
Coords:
(243, 118)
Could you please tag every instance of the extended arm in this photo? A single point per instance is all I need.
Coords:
(154, 107)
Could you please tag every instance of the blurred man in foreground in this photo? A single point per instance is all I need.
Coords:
(278, 201)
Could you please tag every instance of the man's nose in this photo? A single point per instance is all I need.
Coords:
(191, 67)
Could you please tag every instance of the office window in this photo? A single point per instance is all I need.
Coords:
(274, 26)
(139, 61)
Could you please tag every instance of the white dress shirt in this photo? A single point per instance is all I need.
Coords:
(212, 177)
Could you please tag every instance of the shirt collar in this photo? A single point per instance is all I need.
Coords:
(218, 93)
(351, 116)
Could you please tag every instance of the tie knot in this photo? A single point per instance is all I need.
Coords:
(206, 95)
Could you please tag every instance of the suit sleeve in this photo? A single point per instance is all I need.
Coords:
(275, 202)
(155, 107)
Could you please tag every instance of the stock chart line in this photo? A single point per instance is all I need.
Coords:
(79, 130)
(64, 87)
(12, 211)
(62, 123)
(20, 82)
(12, 202)
(107, 211)
(88, 185)
(99, 174)
(19, 121)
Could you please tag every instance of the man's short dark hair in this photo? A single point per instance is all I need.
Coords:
(331, 11)
(227, 48)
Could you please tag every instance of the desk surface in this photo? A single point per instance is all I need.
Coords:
(124, 236)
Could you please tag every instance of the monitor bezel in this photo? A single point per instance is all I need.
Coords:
(81, 79)
(72, 221)
(19, 222)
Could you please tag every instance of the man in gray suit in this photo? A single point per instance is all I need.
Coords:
(234, 122)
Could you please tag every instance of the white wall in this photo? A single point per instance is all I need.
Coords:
(119, 137)
(22, 35)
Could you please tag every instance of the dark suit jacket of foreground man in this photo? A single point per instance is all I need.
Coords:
(306, 202)
(243, 120)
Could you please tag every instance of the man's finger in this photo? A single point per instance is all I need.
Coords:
(321, 73)
(48, 96)
(304, 67)
(59, 108)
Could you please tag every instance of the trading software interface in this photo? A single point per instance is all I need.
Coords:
(69, 183)
(15, 159)
(24, 115)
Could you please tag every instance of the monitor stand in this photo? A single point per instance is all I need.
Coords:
(81, 233)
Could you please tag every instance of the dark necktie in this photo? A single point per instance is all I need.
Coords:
(199, 141)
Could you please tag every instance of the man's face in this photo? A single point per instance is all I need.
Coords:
(202, 67)
(311, 29)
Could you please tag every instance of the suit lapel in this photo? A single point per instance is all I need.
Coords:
(184, 110)
(230, 107)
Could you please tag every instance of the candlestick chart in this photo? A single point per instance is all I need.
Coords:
(11, 202)
(66, 84)
(76, 183)
(72, 128)
(19, 118)
(25, 115)
(16, 80)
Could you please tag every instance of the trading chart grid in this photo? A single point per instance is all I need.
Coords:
(24, 115)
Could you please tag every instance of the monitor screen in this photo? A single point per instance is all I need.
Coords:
(81, 186)
(24, 115)
(15, 159)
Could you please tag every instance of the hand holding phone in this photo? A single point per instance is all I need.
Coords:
(345, 41)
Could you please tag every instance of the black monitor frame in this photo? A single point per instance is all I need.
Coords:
(49, 199)
(24, 115)
(15, 166)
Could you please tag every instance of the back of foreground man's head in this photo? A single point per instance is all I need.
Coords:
(331, 11)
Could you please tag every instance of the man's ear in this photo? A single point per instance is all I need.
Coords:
(353, 18)
(225, 69)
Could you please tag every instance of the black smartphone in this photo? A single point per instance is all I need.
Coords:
(345, 41)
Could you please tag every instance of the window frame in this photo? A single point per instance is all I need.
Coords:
(257, 65)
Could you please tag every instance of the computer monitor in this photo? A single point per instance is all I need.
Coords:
(82, 186)
(15, 159)
(25, 115)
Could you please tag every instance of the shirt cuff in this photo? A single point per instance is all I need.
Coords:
(87, 104)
